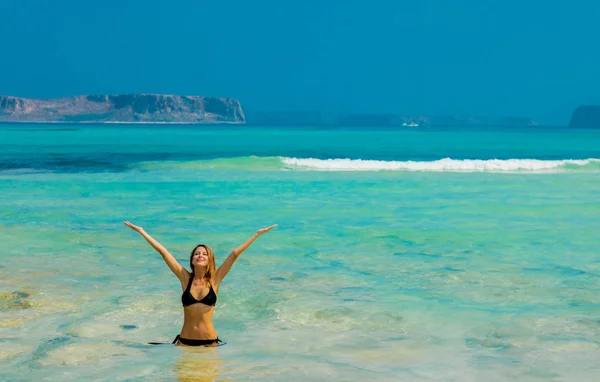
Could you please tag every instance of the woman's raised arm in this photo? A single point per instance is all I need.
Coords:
(175, 267)
(226, 266)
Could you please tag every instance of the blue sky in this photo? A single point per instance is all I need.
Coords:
(538, 59)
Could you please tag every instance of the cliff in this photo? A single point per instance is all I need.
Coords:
(586, 117)
(123, 108)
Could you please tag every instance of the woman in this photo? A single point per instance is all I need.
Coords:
(200, 287)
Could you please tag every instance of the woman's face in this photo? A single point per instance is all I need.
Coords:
(200, 257)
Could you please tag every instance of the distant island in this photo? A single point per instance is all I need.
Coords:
(122, 108)
(317, 118)
(586, 117)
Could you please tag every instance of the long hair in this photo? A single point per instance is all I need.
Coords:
(211, 267)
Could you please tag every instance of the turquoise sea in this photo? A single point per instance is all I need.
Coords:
(413, 255)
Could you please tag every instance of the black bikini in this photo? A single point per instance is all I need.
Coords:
(187, 299)
(188, 342)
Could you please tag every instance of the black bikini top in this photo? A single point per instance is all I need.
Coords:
(187, 299)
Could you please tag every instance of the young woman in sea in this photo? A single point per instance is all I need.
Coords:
(203, 281)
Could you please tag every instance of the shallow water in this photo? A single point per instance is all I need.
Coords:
(430, 272)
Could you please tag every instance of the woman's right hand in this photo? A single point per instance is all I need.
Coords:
(134, 227)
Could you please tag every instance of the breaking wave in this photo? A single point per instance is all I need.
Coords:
(443, 165)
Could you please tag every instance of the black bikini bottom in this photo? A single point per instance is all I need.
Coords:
(188, 342)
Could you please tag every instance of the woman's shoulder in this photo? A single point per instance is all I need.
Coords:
(185, 278)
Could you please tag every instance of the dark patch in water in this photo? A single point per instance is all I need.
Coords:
(325, 265)
(35, 130)
(387, 318)
(84, 163)
(534, 269)
(56, 129)
(352, 289)
(98, 279)
(129, 327)
(333, 314)
(116, 300)
(558, 338)
(277, 278)
(135, 345)
(490, 343)
(336, 264)
(407, 242)
(565, 271)
(49, 345)
(418, 255)
(15, 300)
(568, 271)
(584, 304)
(450, 269)
(387, 237)
(350, 294)
(402, 338)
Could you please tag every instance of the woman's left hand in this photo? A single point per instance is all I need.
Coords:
(265, 230)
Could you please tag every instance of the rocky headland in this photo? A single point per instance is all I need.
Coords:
(122, 108)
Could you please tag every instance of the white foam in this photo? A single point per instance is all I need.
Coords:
(442, 165)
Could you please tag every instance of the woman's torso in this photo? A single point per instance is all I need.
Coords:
(197, 316)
